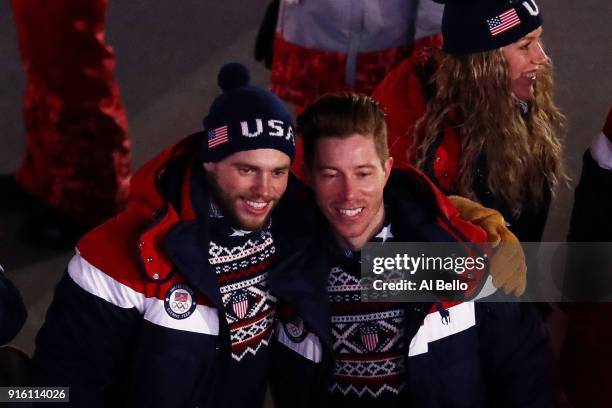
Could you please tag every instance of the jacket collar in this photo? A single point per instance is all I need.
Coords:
(178, 234)
(159, 192)
(187, 244)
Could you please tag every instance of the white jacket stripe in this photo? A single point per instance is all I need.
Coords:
(96, 282)
(309, 347)
(462, 317)
(204, 319)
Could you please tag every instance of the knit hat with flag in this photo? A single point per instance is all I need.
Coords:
(470, 26)
(245, 117)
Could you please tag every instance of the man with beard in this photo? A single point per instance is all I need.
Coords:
(478, 116)
(167, 304)
(335, 350)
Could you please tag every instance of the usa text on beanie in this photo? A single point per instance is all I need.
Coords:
(245, 117)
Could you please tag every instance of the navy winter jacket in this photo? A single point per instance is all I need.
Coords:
(109, 334)
(489, 355)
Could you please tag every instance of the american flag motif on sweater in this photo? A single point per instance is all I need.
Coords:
(240, 260)
(368, 337)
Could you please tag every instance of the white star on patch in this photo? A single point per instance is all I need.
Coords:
(239, 233)
(385, 233)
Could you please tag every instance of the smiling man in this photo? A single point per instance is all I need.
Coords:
(248, 185)
(167, 304)
(337, 351)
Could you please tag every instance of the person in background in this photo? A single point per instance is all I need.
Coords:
(478, 116)
(75, 123)
(323, 46)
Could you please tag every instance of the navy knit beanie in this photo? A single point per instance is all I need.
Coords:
(245, 117)
(470, 26)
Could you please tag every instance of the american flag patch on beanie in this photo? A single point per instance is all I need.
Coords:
(503, 22)
(217, 136)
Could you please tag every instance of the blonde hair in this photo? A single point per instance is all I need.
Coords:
(523, 154)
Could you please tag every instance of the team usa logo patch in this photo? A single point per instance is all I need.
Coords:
(294, 329)
(180, 301)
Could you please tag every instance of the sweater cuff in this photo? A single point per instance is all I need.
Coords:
(601, 150)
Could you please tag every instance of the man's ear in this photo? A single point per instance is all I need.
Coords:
(387, 167)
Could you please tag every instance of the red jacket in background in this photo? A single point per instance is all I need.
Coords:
(401, 95)
(77, 149)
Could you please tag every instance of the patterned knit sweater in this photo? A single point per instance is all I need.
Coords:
(240, 260)
(369, 347)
